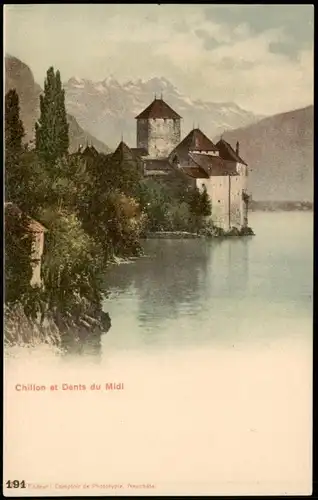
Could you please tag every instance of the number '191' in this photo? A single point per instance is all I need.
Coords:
(15, 484)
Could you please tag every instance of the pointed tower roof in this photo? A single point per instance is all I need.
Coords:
(158, 109)
(228, 153)
(196, 140)
(90, 151)
(123, 153)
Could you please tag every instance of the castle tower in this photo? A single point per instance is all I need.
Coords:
(158, 129)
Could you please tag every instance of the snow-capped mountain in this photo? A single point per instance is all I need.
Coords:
(107, 108)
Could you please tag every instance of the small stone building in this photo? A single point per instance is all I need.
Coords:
(38, 231)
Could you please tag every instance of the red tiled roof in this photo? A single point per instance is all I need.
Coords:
(196, 140)
(162, 164)
(159, 109)
(34, 226)
(228, 153)
(213, 165)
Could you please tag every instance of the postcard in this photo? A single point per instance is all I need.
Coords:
(158, 222)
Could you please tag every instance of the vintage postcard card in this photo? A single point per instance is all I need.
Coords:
(158, 249)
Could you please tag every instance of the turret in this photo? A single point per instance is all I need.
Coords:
(158, 129)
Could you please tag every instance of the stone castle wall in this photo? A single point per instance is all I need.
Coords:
(226, 197)
(159, 136)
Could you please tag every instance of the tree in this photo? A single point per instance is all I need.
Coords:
(119, 171)
(14, 133)
(195, 202)
(51, 131)
(71, 263)
(18, 241)
(155, 200)
(205, 203)
(199, 205)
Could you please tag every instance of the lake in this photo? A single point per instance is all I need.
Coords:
(213, 343)
(238, 291)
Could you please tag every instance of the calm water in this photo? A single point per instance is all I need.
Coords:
(222, 293)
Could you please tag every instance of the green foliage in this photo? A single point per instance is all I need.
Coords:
(125, 224)
(117, 172)
(200, 203)
(205, 202)
(173, 206)
(51, 131)
(18, 271)
(31, 187)
(71, 264)
(200, 207)
(14, 133)
(179, 217)
(195, 202)
(109, 207)
(155, 202)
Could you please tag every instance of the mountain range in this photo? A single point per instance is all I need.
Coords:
(108, 109)
(278, 149)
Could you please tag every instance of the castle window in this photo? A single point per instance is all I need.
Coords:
(175, 159)
(219, 201)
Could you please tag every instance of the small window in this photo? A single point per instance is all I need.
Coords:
(219, 201)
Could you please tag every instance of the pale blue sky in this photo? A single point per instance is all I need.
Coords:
(259, 56)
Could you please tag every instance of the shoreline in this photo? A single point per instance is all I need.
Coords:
(182, 235)
(70, 334)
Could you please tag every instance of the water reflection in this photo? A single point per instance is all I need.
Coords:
(177, 273)
(178, 283)
(222, 292)
(228, 273)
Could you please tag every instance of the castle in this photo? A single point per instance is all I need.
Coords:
(218, 166)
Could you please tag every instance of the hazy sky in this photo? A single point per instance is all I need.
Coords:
(259, 56)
